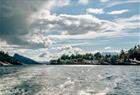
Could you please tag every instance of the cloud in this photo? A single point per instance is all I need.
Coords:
(122, 24)
(130, 23)
(117, 12)
(30, 24)
(104, 28)
(107, 48)
(59, 51)
(14, 24)
(84, 26)
(68, 24)
(104, 0)
(83, 2)
(95, 11)
(89, 35)
(68, 49)
(116, 3)
(43, 55)
(16, 19)
(62, 3)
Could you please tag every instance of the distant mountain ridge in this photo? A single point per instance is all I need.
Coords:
(6, 59)
(24, 59)
(17, 59)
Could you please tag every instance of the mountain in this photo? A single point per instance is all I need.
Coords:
(6, 59)
(24, 59)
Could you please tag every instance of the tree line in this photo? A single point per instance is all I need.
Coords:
(123, 58)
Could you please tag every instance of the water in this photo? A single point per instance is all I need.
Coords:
(70, 80)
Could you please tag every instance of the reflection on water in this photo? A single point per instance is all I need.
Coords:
(71, 80)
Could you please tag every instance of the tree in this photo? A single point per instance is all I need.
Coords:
(122, 59)
(97, 56)
(88, 56)
(64, 57)
(72, 56)
(107, 58)
(122, 54)
(114, 59)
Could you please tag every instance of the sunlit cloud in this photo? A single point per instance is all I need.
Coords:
(94, 11)
(104, 0)
(107, 48)
(117, 12)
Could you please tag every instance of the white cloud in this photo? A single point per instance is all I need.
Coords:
(65, 49)
(134, 18)
(85, 26)
(104, 0)
(62, 2)
(57, 52)
(68, 49)
(36, 36)
(117, 12)
(132, 22)
(95, 11)
(84, 2)
(115, 3)
(107, 48)
(104, 28)
(89, 35)
(39, 39)
(68, 24)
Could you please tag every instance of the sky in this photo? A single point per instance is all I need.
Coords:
(46, 29)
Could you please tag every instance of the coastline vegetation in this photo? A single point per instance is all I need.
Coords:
(132, 56)
(129, 57)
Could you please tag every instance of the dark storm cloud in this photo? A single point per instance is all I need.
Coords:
(14, 24)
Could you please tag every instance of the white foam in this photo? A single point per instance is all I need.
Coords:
(67, 83)
(104, 92)
(92, 92)
(83, 93)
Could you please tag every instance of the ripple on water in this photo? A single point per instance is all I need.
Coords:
(75, 80)
(93, 92)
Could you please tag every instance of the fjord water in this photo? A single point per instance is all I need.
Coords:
(70, 80)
